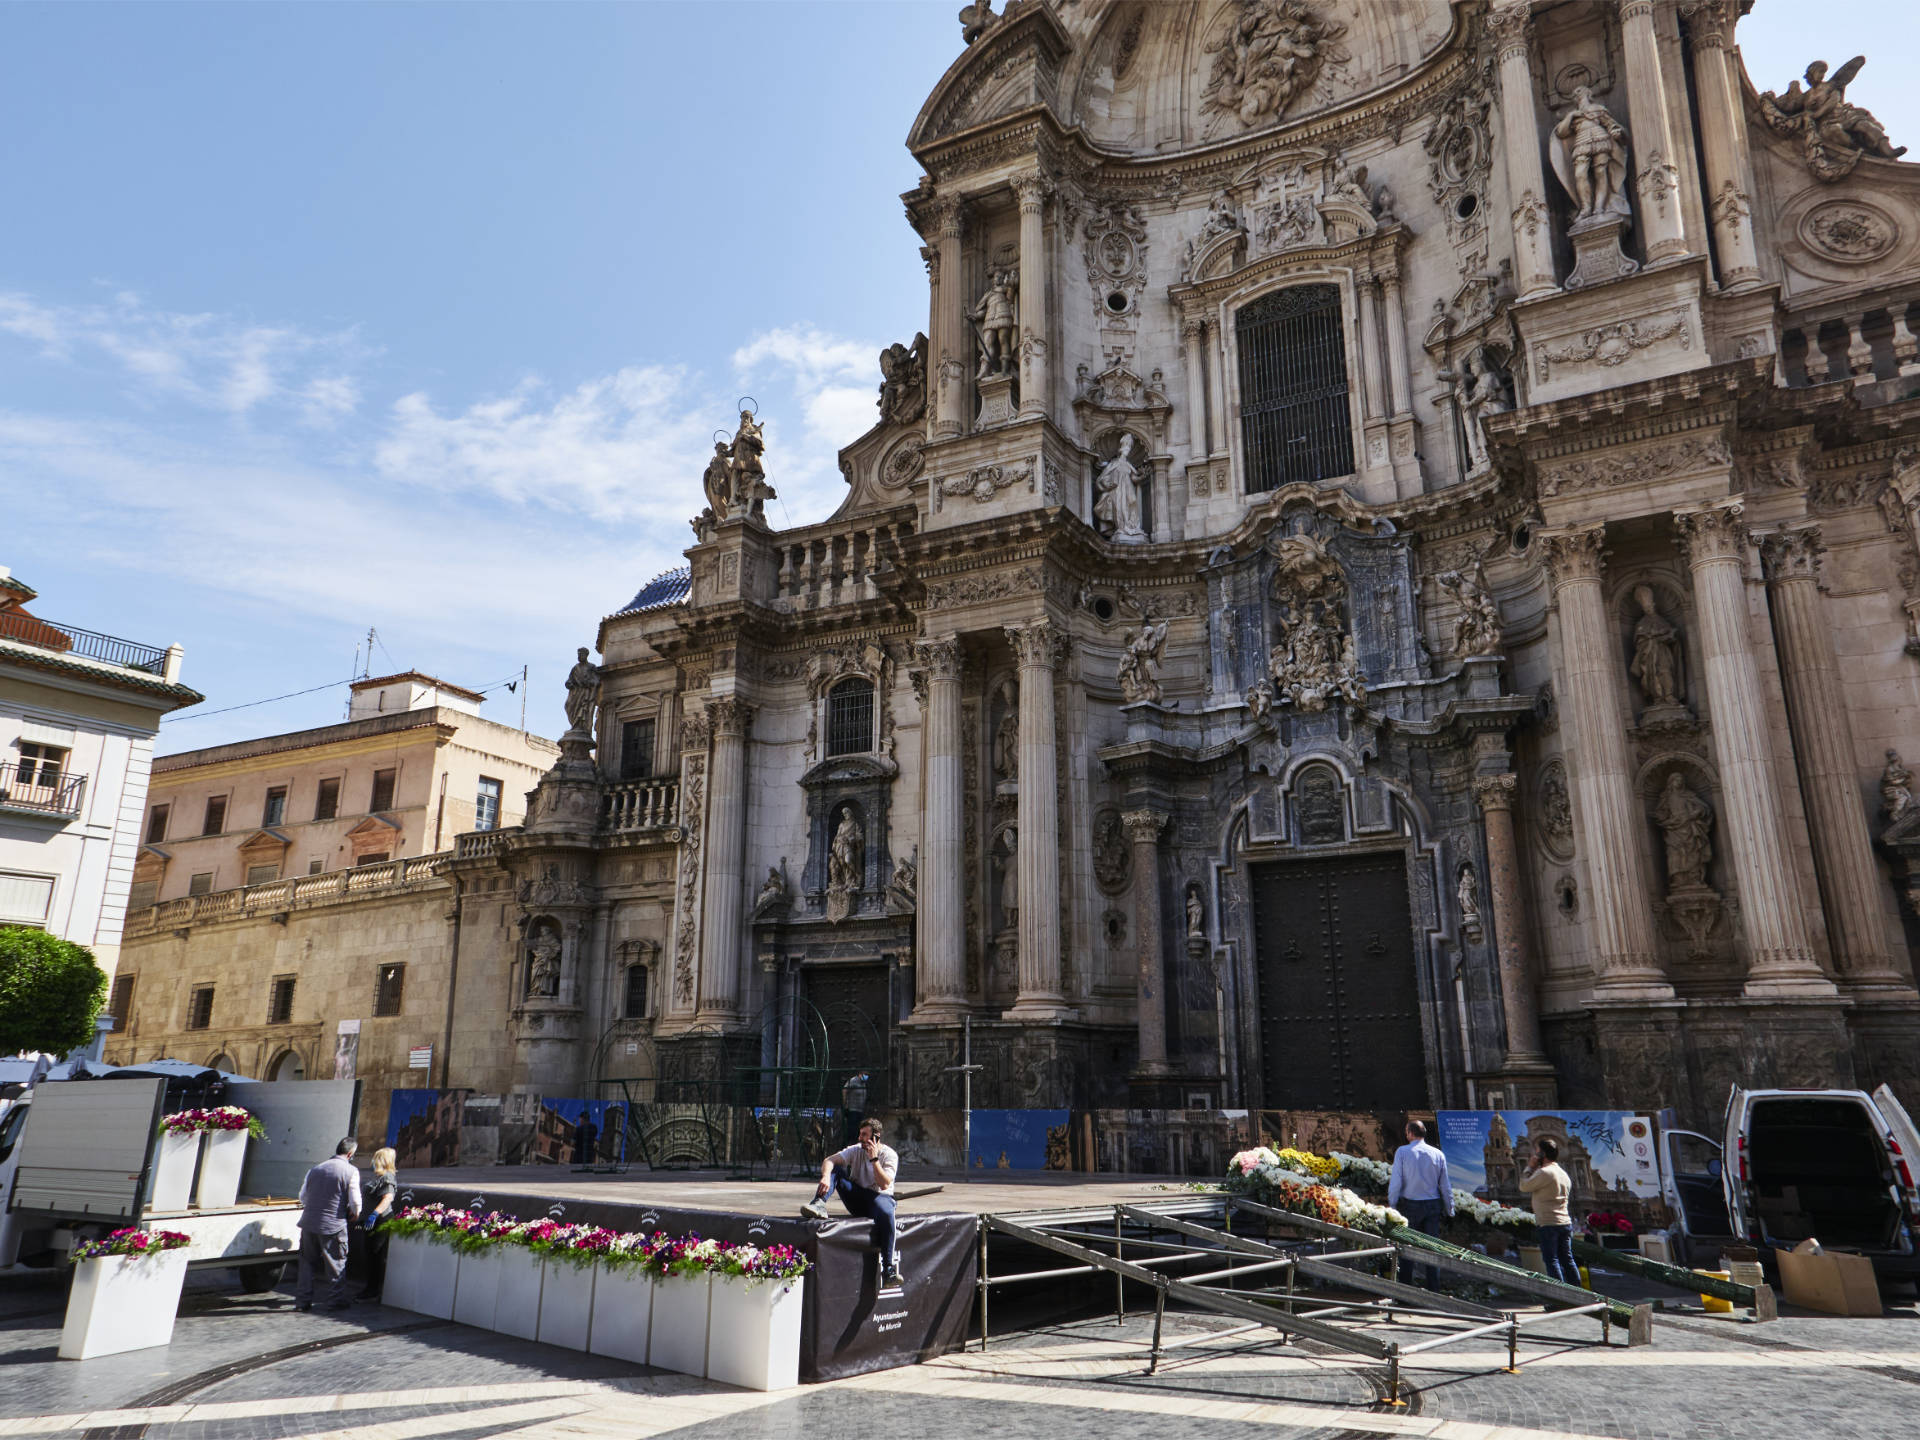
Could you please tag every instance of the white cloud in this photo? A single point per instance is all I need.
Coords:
(831, 382)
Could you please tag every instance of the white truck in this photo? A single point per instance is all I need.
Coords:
(77, 1156)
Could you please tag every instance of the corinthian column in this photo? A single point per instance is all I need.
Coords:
(1511, 28)
(1611, 826)
(1720, 133)
(1495, 794)
(721, 914)
(1823, 744)
(1032, 191)
(1039, 647)
(950, 344)
(1143, 828)
(1657, 177)
(1779, 958)
(941, 916)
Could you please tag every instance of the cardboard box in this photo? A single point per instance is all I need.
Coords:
(1828, 1281)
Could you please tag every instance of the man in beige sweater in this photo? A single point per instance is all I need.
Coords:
(1546, 1184)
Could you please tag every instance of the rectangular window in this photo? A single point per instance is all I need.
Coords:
(316, 867)
(200, 1008)
(262, 874)
(382, 791)
(157, 824)
(280, 1007)
(120, 1003)
(387, 991)
(379, 859)
(326, 802)
(41, 764)
(142, 893)
(25, 899)
(216, 820)
(486, 805)
(636, 749)
(201, 884)
(636, 997)
(275, 810)
(850, 718)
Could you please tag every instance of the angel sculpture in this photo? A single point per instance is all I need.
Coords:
(1833, 133)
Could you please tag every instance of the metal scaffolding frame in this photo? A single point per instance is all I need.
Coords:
(1258, 1280)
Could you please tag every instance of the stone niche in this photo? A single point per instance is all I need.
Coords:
(860, 785)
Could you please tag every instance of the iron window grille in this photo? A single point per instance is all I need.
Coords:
(850, 718)
(200, 1009)
(388, 990)
(1295, 420)
(636, 996)
(636, 749)
(280, 1007)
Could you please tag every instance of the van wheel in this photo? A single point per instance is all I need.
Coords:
(258, 1279)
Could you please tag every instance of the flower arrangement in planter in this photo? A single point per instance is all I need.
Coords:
(1611, 1229)
(1261, 1175)
(126, 1289)
(623, 1297)
(1375, 1174)
(220, 1120)
(212, 1143)
(566, 1295)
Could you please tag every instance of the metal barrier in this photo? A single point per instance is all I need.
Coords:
(1099, 1239)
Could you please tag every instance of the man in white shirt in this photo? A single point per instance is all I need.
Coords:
(862, 1175)
(1419, 1189)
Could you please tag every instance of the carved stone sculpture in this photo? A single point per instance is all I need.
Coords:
(1833, 133)
(1896, 789)
(1272, 52)
(903, 382)
(1656, 653)
(583, 693)
(997, 323)
(718, 481)
(1112, 856)
(1139, 673)
(1116, 504)
(1687, 822)
(1196, 914)
(1312, 659)
(747, 476)
(1589, 150)
(976, 18)
(1347, 183)
(1467, 892)
(903, 889)
(1260, 704)
(845, 866)
(1482, 391)
(1006, 744)
(543, 963)
(1223, 217)
(1476, 629)
(773, 891)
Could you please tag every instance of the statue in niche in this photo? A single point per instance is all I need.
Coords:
(583, 693)
(1139, 673)
(1476, 629)
(1589, 150)
(1260, 704)
(1896, 788)
(997, 325)
(1833, 132)
(1116, 503)
(1467, 892)
(1006, 861)
(1273, 51)
(1687, 822)
(1656, 654)
(543, 963)
(1006, 744)
(845, 866)
(1481, 391)
(1196, 914)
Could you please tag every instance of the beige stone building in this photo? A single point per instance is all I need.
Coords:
(1391, 579)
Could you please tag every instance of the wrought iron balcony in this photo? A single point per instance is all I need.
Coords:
(45, 792)
(31, 630)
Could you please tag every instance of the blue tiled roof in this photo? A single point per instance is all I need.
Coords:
(667, 588)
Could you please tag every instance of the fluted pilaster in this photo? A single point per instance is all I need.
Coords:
(1656, 176)
(722, 912)
(1721, 123)
(1143, 829)
(951, 345)
(1495, 794)
(1511, 27)
(1032, 191)
(941, 905)
(1040, 647)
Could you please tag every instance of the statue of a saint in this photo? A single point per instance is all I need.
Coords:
(1896, 788)
(1687, 822)
(844, 863)
(1223, 217)
(748, 490)
(1589, 151)
(1468, 893)
(1139, 673)
(997, 324)
(1345, 182)
(543, 967)
(906, 877)
(1656, 652)
(1116, 497)
(1483, 392)
(718, 479)
(1196, 914)
(1476, 629)
(1006, 745)
(773, 890)
(903, 381)
(583, 694)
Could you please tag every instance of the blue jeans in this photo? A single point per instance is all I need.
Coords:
(1556, 1253)
(1428, 1217)
(871, 1205)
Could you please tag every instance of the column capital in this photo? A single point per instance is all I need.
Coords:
(1496, 792)
(1143, 827)
(1193, 328)
(941, 657)
(1511, 26)
(1706, 533)
(1032, 191)
(731, 715)
(1792, 554)
(949, 218)
(1636, 10)
(1039, 645)
(1576, 554)
(1707, 23)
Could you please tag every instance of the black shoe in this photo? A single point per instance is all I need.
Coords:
(892, 1279)
(303, 1305)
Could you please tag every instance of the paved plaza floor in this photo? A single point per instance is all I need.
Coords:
(244, 1366)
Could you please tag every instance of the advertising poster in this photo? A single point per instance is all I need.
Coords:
(1019, 1140)
(346, 1049)
(1607, 1154)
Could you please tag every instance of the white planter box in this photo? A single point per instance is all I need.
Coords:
(755, 1333)
(421, 1276)
(566, 1305)
(479, 1290)
(222, 1153)
(404, 1254)
(679, 1331)
(174, 1158)
(122, 1302)
(622, 1313)
(517, 1308)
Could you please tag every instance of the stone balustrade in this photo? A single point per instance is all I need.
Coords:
(295, 893)
(825, 565)
(479, 844)
(1869, 339)
(639, 805)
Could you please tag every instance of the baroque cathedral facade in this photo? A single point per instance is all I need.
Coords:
(1388, 581)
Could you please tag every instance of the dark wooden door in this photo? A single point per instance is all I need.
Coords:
(852, 1004)
(1339, 999)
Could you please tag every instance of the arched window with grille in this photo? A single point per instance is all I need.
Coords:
(850, 718)
(1294, 416)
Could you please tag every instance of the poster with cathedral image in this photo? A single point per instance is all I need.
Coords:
(1607, 1154)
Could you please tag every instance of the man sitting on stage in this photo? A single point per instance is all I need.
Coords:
(863, 1176)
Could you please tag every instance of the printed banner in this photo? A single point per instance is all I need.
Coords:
(1607, 1154)
(1019, 1140)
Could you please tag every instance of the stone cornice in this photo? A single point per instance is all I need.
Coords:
(1667, 406)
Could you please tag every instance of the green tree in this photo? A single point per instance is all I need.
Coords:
(50, 992)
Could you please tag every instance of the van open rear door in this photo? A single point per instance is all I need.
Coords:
(1733, 1161)
(86, 1150)
(1905, 1143)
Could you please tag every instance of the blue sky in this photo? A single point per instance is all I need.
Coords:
(322, 317)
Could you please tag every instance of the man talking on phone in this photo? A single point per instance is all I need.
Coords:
(862, 1175)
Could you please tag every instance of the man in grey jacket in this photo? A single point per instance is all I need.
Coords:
(329, 1203)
